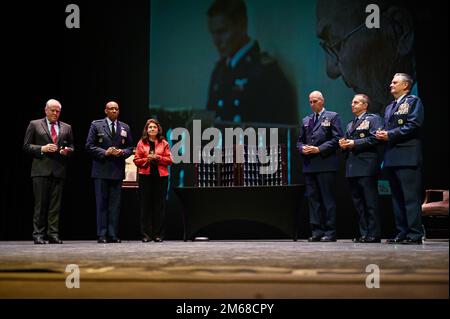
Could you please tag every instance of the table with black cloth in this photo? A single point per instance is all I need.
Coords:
(277, 206)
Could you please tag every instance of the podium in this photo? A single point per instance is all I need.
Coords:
(277, 206)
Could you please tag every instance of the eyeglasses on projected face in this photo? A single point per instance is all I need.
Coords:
(334, 48)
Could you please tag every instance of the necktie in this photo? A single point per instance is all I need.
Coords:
(113, 130)
(316, 117)
(53, 132)
(391, 111)
(354, 123)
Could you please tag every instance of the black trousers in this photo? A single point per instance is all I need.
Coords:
(47, 205)
(107, 198)
(364, 191)
(152, 193)
(406, 185)
(321, 203)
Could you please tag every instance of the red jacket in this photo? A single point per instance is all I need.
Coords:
(162, 149)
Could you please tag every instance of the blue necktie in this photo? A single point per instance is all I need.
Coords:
(394, 105)
(316, 117)
(354, 123)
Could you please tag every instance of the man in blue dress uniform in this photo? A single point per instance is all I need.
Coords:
(246, 85)
(360, 148)
(403, 122)
(109, 143)
(318, 142)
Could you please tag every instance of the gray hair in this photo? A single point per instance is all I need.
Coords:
(53, 102)
(317, 94)
(406, 78)
(364, 98)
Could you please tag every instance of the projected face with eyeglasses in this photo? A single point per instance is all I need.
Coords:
(366, 59)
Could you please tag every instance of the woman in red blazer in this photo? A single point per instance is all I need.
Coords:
(153, 157)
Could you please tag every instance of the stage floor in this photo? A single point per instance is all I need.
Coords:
(224, 269)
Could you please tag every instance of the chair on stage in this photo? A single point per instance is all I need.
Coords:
(435, 213)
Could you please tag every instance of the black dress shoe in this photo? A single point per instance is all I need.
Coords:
(115, 240)
(359, 239)
(157, 240)
(396, 240)
(102, 240)
(327, 239)
(314, 239)
(410, 241)
(371, 240)
(54, 240)
(39, 241)
(146, 240)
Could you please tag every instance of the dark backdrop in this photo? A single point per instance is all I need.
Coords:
(108, 59)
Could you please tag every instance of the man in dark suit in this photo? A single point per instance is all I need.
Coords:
(362, 167)
(318, 142)
(109, 143)
(403, 121)
(50, 142)
(246, 84)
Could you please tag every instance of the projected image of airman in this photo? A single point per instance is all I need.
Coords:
(246, 85)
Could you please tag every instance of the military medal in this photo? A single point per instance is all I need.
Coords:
(400, 121)
(123, 141)
(361, 135)
(364, 125)
(326, 122)
(240, 83)
(403, 109)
